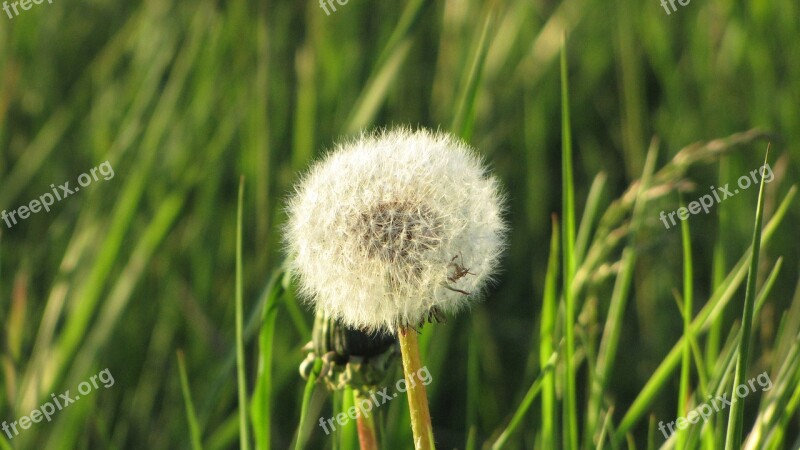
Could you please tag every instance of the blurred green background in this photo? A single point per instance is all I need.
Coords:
(184, 97)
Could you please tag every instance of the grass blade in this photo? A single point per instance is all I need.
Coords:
(191, 416)
(244, 439)
(519, 414)
(733, 440)
(547, 340)
(683, 391)
(262, 392)
(589, 216)
(465, 113)
(311, 383)
(568, 237)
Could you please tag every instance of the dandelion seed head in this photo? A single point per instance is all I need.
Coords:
(392, 224)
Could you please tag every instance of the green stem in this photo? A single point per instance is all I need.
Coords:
(367, 438)
(417, 396)
(311, 383)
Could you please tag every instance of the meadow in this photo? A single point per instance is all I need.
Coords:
(160, 297)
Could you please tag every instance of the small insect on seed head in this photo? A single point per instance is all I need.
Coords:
(392, 224)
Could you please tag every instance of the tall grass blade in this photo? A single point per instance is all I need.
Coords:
(733, 439)
(262, 391)
(244, 437)
(547, 325)
(688, 287)
(465, 111)
(568, 238)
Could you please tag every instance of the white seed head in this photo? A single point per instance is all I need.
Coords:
(390, 225)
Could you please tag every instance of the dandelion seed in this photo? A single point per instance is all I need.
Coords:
(394, 225)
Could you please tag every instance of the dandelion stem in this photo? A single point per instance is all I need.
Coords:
(417, 396)
(366, 424)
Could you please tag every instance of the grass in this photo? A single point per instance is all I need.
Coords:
(568, 257)
(191, 414)
(241, 368)
(736, 417)
(579, 343)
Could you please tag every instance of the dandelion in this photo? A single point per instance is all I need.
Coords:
(391, 230)
(392, 227)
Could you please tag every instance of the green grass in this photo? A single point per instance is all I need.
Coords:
(686, 312)
(241, 367)
(191, 414)
(733, 439)
(579, 343)
(568, 257)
